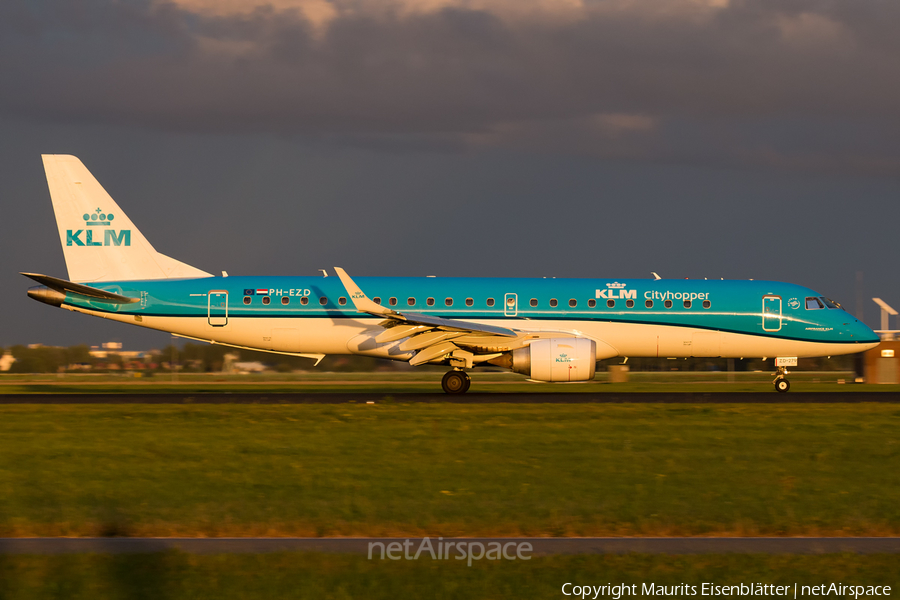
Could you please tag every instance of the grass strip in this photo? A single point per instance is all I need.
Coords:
(442, 469)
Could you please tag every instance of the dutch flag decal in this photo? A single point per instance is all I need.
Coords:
(262, 291)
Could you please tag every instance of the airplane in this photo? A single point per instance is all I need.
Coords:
(551, 330)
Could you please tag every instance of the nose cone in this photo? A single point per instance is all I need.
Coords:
(865, 338)
(44, 294)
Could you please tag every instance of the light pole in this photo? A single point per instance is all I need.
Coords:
(886, 332)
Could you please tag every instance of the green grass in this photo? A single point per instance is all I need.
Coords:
(424, 382)
(444, 469)
(174, 575)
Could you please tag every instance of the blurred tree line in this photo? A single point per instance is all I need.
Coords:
(191, 357)
(48, 359)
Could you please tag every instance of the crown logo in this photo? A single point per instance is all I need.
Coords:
(615, 286)
(97, 218)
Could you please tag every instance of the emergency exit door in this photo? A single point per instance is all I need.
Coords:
(218, 308)
(771, 310)
(511, 305)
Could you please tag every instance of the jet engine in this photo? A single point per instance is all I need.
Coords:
(557, 359)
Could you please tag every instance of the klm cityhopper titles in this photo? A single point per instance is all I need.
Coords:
(547, 329)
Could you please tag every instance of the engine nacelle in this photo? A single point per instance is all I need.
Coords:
(557, 359)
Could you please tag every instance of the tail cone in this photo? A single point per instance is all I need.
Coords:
(44, 294)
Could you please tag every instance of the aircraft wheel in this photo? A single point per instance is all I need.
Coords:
(455, 382)
(782, 385)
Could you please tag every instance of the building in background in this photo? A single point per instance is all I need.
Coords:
(879, 365)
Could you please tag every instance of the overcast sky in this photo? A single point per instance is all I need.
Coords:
(736, 139)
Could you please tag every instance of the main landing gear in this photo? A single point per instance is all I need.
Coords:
(456, 382)
(781, 382)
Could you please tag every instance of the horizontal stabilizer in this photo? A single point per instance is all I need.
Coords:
(62, 286)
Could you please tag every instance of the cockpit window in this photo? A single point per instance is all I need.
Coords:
(813, 303)
(830, 303)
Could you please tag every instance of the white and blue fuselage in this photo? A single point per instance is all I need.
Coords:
(549, 329)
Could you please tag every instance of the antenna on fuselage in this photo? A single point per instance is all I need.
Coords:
(655, 276)
(324, 273)
(886, 311)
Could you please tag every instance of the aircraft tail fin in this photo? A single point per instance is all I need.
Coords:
(99, 241)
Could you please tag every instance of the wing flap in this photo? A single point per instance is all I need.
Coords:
(398, 332)
(439, 350)
(423, 340)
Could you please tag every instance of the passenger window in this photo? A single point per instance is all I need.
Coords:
(323, 300)
(667, 304)
(629, 303)
(553, 302)
(573, 303)
(411, 301)
(469, 302)
(611, 303)
(304, 300)
(429, 301)
(448, 301)
(376, 300)
(246, 299)
(285, 299)
(490, 301)
(266, 299)
(687, 303)
(813, 303)
(706, 304)
(342, 301)
(592, 303)
(649, 303)
(533, 302)
(392, 301)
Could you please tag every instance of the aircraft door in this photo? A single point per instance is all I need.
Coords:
(217, 308)
(771, 307)
(511, 305)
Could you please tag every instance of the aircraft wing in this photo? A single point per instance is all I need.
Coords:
(434, 338)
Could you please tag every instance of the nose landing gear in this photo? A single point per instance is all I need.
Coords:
(456, 382)
(781, 382)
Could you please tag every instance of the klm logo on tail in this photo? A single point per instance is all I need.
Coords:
(98, 219)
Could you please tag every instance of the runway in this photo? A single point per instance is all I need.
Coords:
(471, 398)
(540, 546)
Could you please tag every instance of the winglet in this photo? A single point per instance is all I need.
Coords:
(359, 298)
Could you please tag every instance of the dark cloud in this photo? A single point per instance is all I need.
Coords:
(792, 84)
